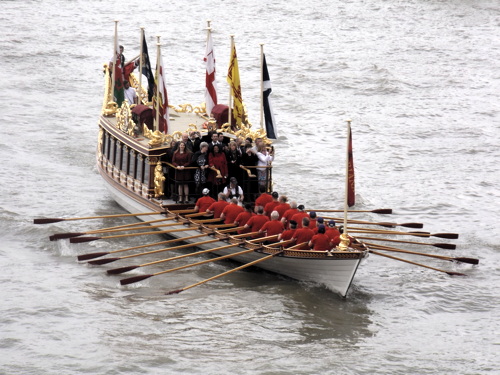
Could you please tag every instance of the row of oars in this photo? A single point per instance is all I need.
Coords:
(76, 237)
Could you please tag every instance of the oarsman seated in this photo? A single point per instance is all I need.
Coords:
(204, 202)
(264, 198)
(233, 190)
(300, 215)
(303, 234)
(272, 227)
(319, 221)
(256, 222)
(231, 211)
(320, 241)
(312, 220)
(288, 233)
(269, 207)
(287, 216)
(216, 208)
(333, 233)
(243, 218)
(283, 206)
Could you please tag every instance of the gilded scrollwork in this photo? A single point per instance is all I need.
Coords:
(124, 120)
(156, 137)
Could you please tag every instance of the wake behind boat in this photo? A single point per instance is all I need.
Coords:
(142, 155)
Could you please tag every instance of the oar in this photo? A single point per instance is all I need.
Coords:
(60, 236)
(56, 220)
(101, 254)
(448, 246)
(383, 224)
(418, 234)
(417, 264)
(88, 239)
(110, 260)
(196, 214)
(384, 211)
(457, 259)
(225, 273)
(135, 279)
(126, 269)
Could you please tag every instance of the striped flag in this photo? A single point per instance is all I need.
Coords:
(211, 85)
(351, 196)
(271, 130)
(161, 97)
(233, 78)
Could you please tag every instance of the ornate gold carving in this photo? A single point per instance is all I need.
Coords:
(188, 108)
(124, 120)
(157, 138)
(159, 178)
(344, 242)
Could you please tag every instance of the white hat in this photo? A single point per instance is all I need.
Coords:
(205, 191)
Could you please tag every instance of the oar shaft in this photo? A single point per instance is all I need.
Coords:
(386, 211)
(157, 243)
(416, 264)
(225, 273)
(129, 225)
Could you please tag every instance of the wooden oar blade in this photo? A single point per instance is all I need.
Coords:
(91, 255)
(47, 221)
(451, 236)
(100, 262)
(174, 291)
(117, 271)
(455, 273)
(61, 236)
(447, 246)
(384, 211)
(134, 279)
(83, 239)
(467, 260)
(412, 225)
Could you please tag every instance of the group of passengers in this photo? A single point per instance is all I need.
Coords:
(211, 154)
(273, 215)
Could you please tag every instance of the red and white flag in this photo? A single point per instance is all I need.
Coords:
(211, 85)
(351, 195)
(161, 97)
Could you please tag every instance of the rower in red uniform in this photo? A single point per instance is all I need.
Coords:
(204, 202)
(264, 198)
(287, 216)
(256, 222)
(303, 235)
(243, 218)
(320, 241)
(288, 234)
(272, 227)
(269, 207)
(216, 208)
(283, 206)
(333, 233)
(231, 211)
(300, 215)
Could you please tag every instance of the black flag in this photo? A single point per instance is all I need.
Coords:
(268, 110)
(146, 69)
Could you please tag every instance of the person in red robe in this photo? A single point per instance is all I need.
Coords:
(243, 218)
(256, 222)
(217, 159)
(303, 235)
(204, 202)
(231, 211)
(273, 227)
(320, 241)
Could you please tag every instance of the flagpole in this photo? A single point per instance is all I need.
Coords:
(115, 48)
(262, 85)
(344, 238)
(229, 116)
(209, 30)
(140, 65)
(158, 54)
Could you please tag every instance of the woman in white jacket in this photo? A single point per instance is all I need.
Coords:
(265, 158)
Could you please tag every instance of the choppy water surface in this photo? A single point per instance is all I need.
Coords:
(420, 82)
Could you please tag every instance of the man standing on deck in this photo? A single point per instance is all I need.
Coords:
(129, 93)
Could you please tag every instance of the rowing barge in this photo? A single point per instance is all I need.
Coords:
(131, 158)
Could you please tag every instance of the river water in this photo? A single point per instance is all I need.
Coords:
(420, 82)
